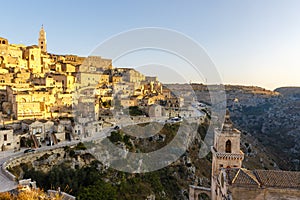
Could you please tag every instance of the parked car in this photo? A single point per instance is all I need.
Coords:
(175, 119)
(29, 150)
(116, 127)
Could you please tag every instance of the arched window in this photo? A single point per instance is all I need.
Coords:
(32, 57)
(228, 146)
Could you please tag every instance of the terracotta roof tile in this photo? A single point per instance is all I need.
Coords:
(263, 178)
(241, 177)
(276, 178)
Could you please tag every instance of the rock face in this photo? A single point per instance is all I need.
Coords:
(274, 119)
(289, 91)
(44, 161)
(173, 180)
(271, 119)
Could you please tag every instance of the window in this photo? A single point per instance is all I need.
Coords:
(228, 146)
(5, 137)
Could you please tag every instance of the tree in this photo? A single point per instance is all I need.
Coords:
(99, 191)
(115, 137)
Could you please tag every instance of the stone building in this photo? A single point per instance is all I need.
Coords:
(42, 40)
(33, 56)
(4, 50)
(85, 79)
(96, 64)
(28, 104)
(8, 140)
(131, 75)
(229, 181)
(128, 102)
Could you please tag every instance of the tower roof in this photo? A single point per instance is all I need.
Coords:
(227, 125)
(42, 29)
(42, 41)
(241, 176)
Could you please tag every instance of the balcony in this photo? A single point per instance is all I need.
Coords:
(228, 156)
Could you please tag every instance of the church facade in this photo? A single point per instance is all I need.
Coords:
(229, 181)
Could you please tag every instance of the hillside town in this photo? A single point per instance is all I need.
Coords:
(48, 98)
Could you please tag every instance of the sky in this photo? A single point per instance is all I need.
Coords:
(253, 42)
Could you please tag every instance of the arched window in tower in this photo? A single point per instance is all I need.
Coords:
(32, 57)
(228, 146)
(1, 59)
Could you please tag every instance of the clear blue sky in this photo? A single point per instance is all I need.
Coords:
(253, 42)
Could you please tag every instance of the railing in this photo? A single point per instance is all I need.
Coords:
(9, 175)
(230, 156)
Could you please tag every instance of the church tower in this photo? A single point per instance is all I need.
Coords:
(226, 152)
(43, 40)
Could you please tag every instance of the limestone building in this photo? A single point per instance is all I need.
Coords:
(42, 40)
(8, 140)
(33, 56)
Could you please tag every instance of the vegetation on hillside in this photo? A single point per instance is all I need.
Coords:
(95, 181)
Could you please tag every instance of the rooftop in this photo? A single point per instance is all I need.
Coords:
(263, 178)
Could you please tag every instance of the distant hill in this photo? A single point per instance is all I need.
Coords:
(289, 91)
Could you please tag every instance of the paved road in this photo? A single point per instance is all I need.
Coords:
(5, 183)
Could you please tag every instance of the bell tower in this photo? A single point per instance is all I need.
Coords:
(226, 152)
(42, 40)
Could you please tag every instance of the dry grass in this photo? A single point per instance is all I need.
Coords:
(29, 194)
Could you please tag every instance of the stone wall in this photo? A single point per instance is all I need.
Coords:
(31, 157)
(195, 191)
(246, 193)
(9, 175)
